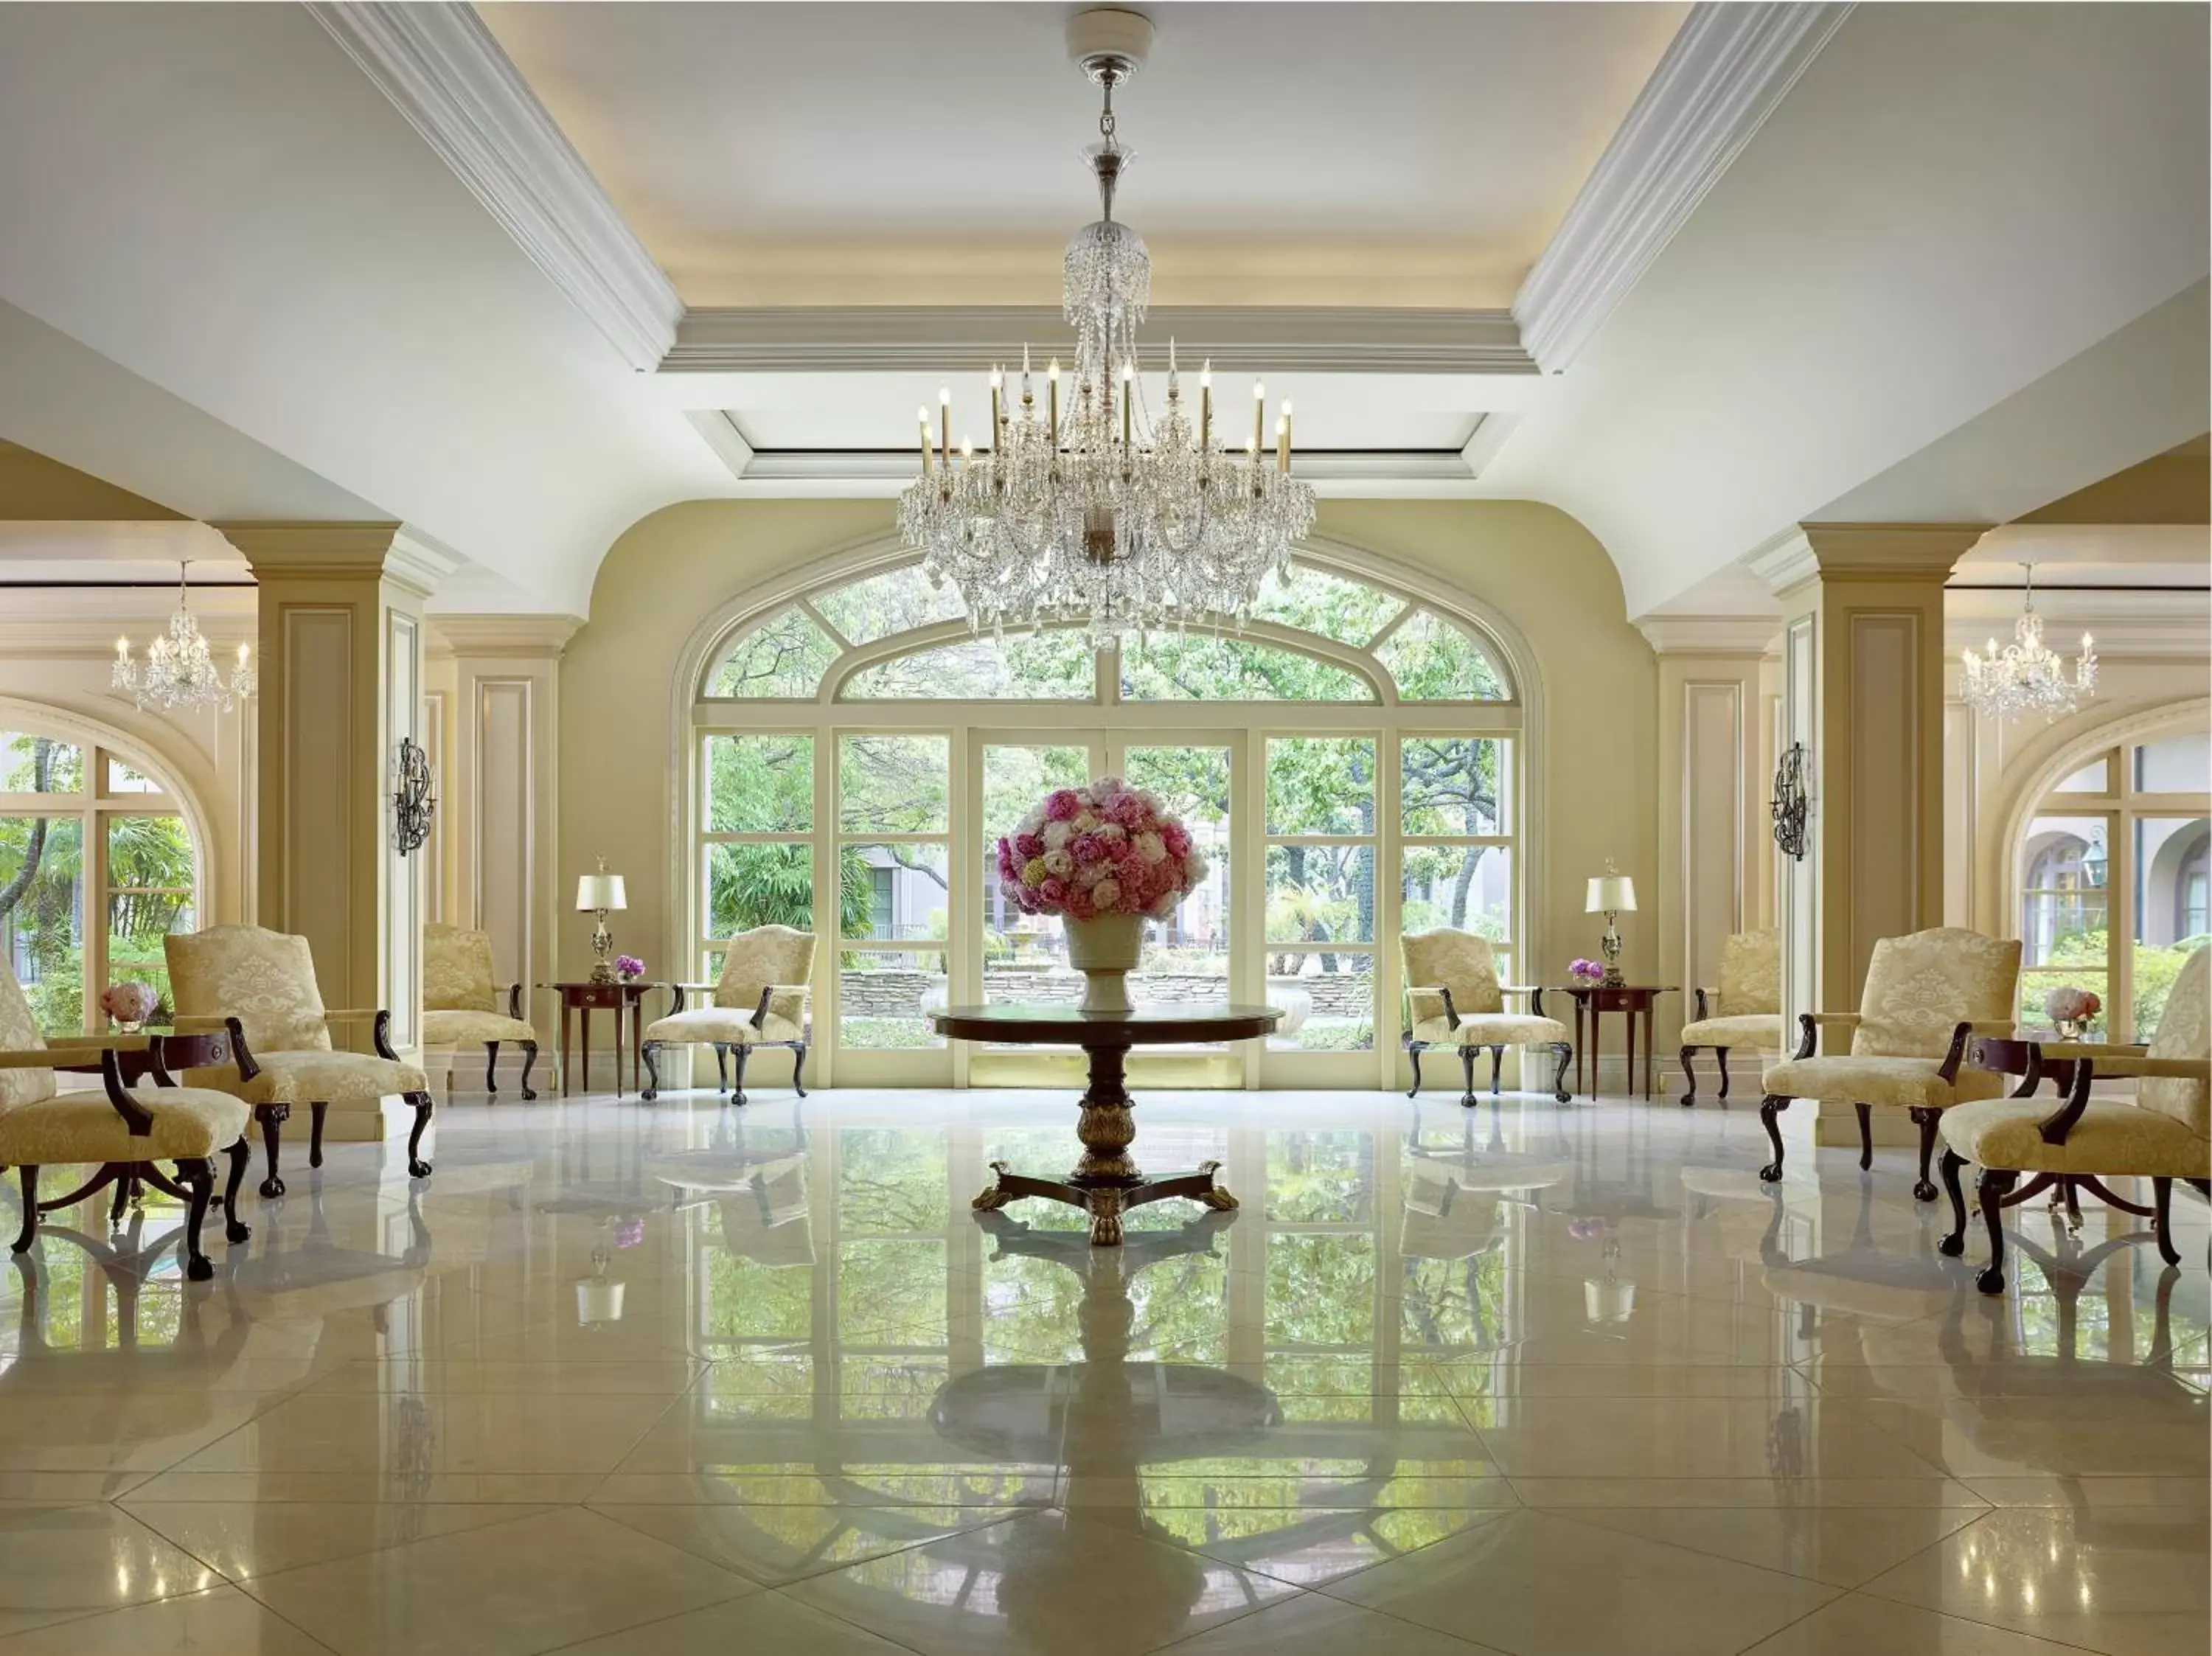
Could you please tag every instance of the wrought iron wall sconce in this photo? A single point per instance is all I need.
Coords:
(414, 798)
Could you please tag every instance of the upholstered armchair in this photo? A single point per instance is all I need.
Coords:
(2165, 1134)
(1746, 1010)
(260, 986)
(1453, 998)
(125, 1129)
(1925, 996)
(760, 1001)
(460, 1003)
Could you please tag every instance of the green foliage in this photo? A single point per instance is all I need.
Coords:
(1432, 660)
(760, 784)
(893, 784)
(1348, 611)
(1047, 666)
(784, 656)
(1204, 667)
(2085, 953)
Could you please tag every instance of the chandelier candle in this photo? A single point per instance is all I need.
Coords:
(2028, 676)
(1112, 521)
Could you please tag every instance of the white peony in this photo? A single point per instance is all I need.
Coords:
(1084, 822)
(1193, 868)
(1059, 863)
(1111, 831)
(1056, 835)
(1092, 873)
(1150, 847)
(1107, 892)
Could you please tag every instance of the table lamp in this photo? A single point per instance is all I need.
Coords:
(597, 894)
(1611, 894)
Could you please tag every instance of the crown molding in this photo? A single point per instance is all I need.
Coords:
(940, 338)
(885, 472)
(520, 637)
(442, 70)
(1711, 635)
(2126, 624)
(1726, 71)
(1785, 561)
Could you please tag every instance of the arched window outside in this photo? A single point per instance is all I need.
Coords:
(97, 866)
(2117, 849)
(1349, 761)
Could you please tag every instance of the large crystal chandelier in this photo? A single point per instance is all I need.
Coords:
(1093, 510)
(179, 671)
(2028, 676)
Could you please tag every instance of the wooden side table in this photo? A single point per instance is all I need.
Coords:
(1629, 999)
(626, 1001)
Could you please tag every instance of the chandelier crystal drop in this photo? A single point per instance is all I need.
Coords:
(2026, 675)
(179, 670)
(1092, 509)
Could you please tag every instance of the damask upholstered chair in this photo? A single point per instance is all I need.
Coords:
(260, 985)
(461, 1004)
(761, 1001)
(1453, 998)
(123, 1130)
(1746, 1010)
(2166, 1134)
(1925, 996)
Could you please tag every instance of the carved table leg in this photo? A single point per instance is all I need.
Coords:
(1106, 1127)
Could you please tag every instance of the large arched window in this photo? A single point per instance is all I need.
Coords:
(97, 866)
(1349, 759)
(2116, 850)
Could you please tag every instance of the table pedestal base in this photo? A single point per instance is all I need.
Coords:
(1105, 1202)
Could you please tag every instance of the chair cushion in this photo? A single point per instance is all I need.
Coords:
(319, 1078)
(19, 1033)
(452, 1029)
(189, 1122)
(2181, 1032)
(1492, 1029)
(1909, 1081)
(1749, 1029)
(722, 1024)
(2111, 1138)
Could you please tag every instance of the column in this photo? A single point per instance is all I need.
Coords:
(1712, 876)
(341, 631)
(1863, 688)
(501, 817)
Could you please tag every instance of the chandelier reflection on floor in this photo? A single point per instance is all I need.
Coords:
(179, 670)
(1091, 511)
(2026, 675)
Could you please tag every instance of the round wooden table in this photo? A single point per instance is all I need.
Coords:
(1105, 1183)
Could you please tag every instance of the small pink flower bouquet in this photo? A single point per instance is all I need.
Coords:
(1090, 854)
(629, 968)
(1585, 970)
(129, 1003)
(2066, 1005)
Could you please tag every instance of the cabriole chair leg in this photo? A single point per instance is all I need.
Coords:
(196, 1173)
(1927, 1121)
(1413, 1054)
(2161, 1204)
(271, 1117)
(235, 1229)
(1467, 1063)
(1496, 1065)
(416, 1166)
(491, 1068)
(1690, 1078)
(1770, 1107)
(1991, 1188)
(1865, 1113)
(27, 1175)
(799, 1069)
(737, 1058)
(315, 1114)
(1952, 1245)
(651, 1071)
(529, 1063)
(1720, 1059)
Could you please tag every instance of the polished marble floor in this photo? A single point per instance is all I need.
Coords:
(683, 1378)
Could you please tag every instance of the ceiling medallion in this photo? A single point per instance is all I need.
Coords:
(179, 671)
(1094, 511)
(2026, 677)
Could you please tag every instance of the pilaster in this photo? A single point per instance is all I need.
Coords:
(341, 643)
(1863, 688)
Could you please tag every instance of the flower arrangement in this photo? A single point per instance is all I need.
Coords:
(1091, 853)
(629, 968)
(1583, 969)
(129, 1003)
(2070, 1010)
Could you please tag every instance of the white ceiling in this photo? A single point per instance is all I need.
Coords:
(1303, 154)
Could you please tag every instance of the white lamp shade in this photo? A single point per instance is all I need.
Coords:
(1609, 892)
(595, 891)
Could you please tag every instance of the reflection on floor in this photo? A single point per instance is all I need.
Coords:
(681, 1378)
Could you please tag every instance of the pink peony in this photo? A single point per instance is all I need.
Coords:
(1124, 808)
(1006, 859)
(1106, 895)
(1120, 850)
(1088, 848)
(1176, 838)
(1052, 890)
(1061, 804)
(1027, 846)
(1077, 905)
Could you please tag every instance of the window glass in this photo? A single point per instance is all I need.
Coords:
(40, 764)
(1467, 888)
(1314, 602)
(1025, 955)
(760, 784)
(2170, 907)
(759, 883)
(785, 657)
(2174, 764)
(898, 891)
(893, 784)
(1320, 894)
(1321, 785)
(1433, 660)
(1053, 666)
(1203, 667)
(42, 916)
(1186, 956)
(2095, 777)
(896, 600)
(1454, 784)
(150, 896)
(884, 997)
(122, 779)
(2063, 891)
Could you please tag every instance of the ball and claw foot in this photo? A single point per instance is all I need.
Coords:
(993, 1196)
(272, 1187)
(1990, 1281)
(1924, 1191)
(1218, 1199)
(1951, 1247)
(1772, 1172)
(235, 1232)
(200, 1270)
(418, 1168)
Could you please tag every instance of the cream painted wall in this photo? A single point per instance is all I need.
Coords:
(1531, 563)
(56, 650)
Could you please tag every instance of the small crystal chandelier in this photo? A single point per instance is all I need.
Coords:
(2026, 677)
(1097, 513)
(179, 671)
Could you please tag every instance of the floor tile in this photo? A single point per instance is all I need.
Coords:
(1694, 1437)
(1536, 1584)
(1842, 1547)
(2125, 1580)
(221, 1619)
(507, 1590)
(782, 1543)
(58, 1563)
(1857, 1626)
(767, 1621)
(1311, 1625)
(248, 1539)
